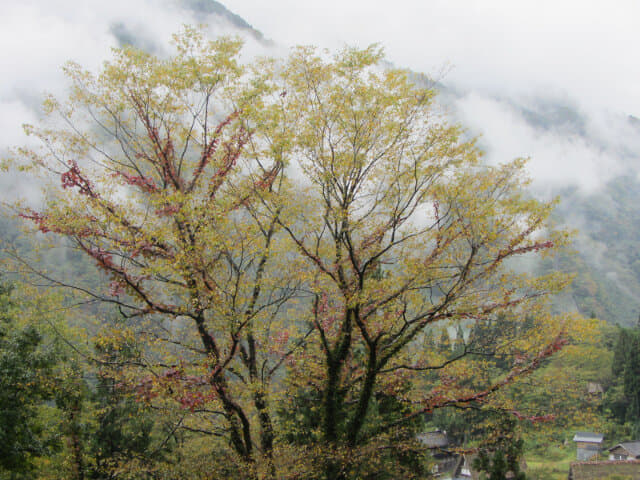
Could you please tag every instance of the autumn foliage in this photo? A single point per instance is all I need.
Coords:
(293, 229)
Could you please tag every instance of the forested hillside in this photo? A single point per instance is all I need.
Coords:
(607, 262)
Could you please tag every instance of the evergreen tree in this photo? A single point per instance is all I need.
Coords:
(26, 365)
(124, 425)
(501, 464)
(499, 459)
(623, 397)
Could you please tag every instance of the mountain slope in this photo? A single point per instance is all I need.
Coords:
(211, 7)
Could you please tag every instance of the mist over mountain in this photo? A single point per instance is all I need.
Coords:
(84, 34)
(590, 161)
(42, 36)
(587, 154)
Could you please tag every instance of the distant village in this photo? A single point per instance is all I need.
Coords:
(593, 461)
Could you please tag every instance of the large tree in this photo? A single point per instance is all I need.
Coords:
(291, 232)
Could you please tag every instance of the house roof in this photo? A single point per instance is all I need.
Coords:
(435, 439)
(589, 437)
(632, 447)
(629, 470)
(594, 388)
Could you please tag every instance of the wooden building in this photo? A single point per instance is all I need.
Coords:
(589, 445)
(625, 451)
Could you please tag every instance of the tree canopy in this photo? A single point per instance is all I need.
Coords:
(280, 238)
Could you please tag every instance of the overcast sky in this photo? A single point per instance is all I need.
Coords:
(580, 53)
(584, 48)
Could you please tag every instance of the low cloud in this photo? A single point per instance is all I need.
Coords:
(581, 48)
(41, 35)
(565, 147)
(505, 57)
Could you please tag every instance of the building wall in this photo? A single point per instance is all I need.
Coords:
(585, 454)
(618, 453)
(588, 445)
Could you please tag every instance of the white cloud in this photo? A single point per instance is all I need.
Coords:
(11, 130)
(41, 35)
(585, 155)
(585, 48)
(579, 51)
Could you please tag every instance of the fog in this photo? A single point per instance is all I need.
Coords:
(579, 47)
(41, 35)
(515, 66)
(498, 53)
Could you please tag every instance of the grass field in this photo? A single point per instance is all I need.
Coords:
(553, 466)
